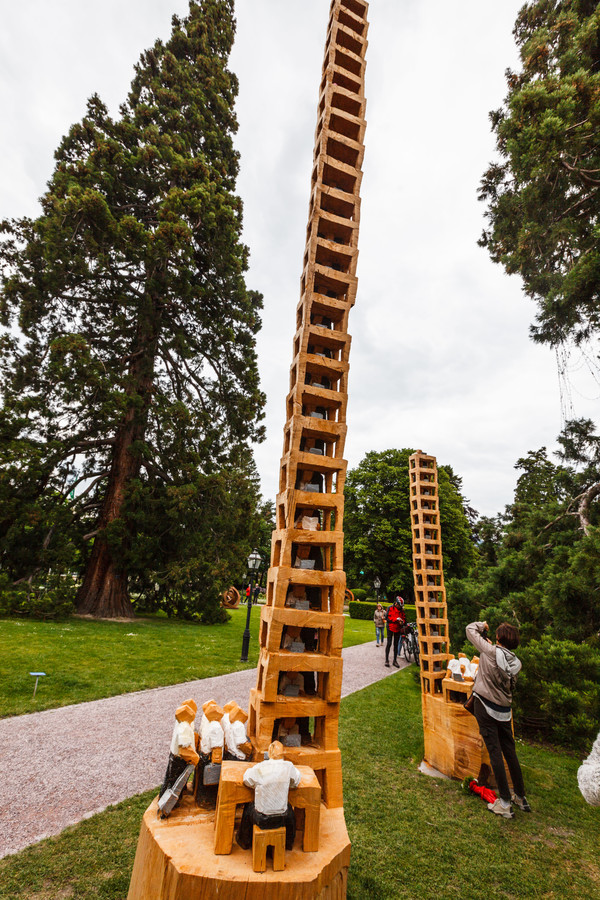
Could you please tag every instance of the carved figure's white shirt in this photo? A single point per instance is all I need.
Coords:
(183, 736)
(271, 781)
(211, 736)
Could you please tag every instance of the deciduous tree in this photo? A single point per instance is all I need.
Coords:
(377, 528)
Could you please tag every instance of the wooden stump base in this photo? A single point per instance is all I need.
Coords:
(453, 744)
(175, 861)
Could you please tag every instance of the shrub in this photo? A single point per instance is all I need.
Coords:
(359, 593)
(53, 600)
(214, 615)
(558, 693)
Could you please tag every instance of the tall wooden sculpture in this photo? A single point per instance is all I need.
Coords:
(453, 745)
(306, 582)
(297, 695)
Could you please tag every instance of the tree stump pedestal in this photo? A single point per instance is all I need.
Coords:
(175, 860)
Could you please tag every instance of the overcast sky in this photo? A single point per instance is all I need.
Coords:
(441, 359)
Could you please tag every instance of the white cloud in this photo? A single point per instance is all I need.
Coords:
(441, 357)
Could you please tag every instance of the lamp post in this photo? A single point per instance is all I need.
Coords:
(254, 563)
(377, 585)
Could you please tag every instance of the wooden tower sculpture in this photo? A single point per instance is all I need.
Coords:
(306, 582)
(297, 696)
(453, 745)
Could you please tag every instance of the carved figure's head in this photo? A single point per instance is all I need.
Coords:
(276, 750)
(185, 713)
(237, 714)
(213, 712)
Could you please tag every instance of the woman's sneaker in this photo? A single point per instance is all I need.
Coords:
(500, 809)
(521, 803)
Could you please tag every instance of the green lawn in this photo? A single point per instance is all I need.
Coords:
(87, 660)
(413, 838)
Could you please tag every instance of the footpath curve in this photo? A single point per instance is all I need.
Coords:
(64, 765)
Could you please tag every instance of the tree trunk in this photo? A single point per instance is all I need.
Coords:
(584, 507)
(104, 592)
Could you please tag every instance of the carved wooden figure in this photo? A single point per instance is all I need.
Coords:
(208, 770)
(453, 745)
(182, 758)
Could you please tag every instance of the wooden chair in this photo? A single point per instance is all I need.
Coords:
(270, 837)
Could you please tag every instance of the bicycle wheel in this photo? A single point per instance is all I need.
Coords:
(417, 653)
(405, 647)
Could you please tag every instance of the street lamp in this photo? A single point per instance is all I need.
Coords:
(377, 585)
(254, 564)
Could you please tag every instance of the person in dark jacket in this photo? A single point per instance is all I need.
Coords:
(396, 619)
(493, 686)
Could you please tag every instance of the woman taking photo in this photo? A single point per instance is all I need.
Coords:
(494, 683)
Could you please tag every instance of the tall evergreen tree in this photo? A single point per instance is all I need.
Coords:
(134, 375)
(543, 196)
(544, 576)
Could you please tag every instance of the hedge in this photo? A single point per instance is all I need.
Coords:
(361, 610)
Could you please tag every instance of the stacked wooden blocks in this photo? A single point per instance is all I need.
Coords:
(453, 745)
(306, 582)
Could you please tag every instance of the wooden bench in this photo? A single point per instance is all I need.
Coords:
(232, 791)
(263, 838)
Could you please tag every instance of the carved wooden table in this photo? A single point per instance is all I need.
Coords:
(232, 790)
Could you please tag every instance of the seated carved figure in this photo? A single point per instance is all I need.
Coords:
(296, 597)
(212, 740)
(271, 780)
(291, 639)
(233, 723)
(290, 684)
(181, 752)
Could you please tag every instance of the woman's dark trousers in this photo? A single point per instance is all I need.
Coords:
(499, 740)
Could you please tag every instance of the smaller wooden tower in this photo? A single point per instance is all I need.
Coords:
(453, 745)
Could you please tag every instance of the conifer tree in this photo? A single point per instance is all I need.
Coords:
(543, 195)
(132, 385)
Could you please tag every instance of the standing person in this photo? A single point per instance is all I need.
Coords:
(396, 619)
(494, 683)
(379, 620)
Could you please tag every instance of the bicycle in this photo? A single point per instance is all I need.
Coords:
(410, 643)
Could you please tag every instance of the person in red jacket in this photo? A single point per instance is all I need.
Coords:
(396, 620)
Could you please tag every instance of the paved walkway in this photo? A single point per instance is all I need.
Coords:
(63, 765)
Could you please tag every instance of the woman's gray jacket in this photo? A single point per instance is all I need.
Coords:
(498, 668)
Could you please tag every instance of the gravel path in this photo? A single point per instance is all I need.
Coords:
(64, 765)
